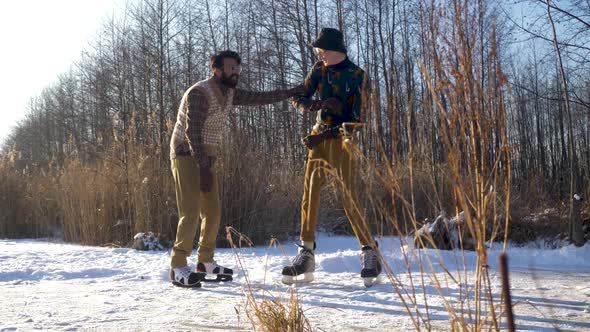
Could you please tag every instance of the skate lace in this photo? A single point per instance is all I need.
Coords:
(369, 259)
(301, 257)
(182, 272)
(210, 267)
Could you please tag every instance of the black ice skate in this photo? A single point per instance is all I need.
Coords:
(301, 269)
(218, 272)
(371, 266)
(183, 277)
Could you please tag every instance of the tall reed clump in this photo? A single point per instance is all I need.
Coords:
(27, 209)
(28, 205)
(127, 190)
(258, 191)
(465, 172)
(11, 187)
(88, 200)
(469, 97)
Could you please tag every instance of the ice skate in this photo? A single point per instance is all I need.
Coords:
(183, 277)
(301, 269)
(371, 267)
(212, 272)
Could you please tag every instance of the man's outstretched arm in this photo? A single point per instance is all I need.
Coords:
(256, 98)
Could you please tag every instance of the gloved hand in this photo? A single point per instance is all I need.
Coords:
(333, 104)
(316, 105)
(313, 140)
(331, 112)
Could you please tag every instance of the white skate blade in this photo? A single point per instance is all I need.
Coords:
(217, 277)
(300, 279)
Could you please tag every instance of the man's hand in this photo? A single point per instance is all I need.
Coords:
(316, 105)
(333, 104)
(313, 140)
(206, 174)
(206, 178)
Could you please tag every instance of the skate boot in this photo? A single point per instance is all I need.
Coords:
(183, 277)
(216, 273)
(301, 269)
(371, 266)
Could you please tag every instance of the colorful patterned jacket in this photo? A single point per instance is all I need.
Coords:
(343, 81)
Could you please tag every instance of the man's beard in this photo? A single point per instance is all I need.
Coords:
(230, 81)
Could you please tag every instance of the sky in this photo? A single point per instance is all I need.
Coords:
(39, 40)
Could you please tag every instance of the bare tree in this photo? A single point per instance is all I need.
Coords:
(575, 231)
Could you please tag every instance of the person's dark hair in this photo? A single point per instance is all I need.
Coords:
(216, 60)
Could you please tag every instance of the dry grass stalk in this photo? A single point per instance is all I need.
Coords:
(264, 311)
(471, 112)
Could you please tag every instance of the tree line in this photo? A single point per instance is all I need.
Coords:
(115, 108)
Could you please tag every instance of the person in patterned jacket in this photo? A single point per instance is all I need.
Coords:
(337, 82)
(194, 149)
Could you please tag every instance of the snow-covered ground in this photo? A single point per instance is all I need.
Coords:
(54, 286)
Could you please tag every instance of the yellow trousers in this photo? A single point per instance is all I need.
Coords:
(331, 159)
(192, 204)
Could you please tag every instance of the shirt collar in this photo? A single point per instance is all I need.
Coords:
(340, 65)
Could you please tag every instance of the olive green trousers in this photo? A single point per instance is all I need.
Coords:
(192, 204)
(331, 158)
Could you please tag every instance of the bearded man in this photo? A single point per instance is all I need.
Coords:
(194, 150)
